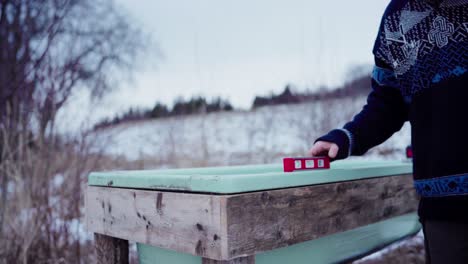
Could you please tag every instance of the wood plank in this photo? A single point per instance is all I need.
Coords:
(111, 250)
(241, 260)
(262, 221)
(184, 222)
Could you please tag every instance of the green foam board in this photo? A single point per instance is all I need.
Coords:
(238, 179)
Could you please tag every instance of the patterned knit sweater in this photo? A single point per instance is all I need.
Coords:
(420, 75)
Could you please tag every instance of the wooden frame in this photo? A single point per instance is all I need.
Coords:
(233, 228)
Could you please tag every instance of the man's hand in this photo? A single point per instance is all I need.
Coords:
(322, 148)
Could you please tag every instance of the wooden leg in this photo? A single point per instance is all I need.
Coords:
(111, 250)
(242, 260)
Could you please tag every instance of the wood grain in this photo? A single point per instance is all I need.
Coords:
(225, 227)
(241, 260)
(189, 223)
(262, 221)
(111, 250)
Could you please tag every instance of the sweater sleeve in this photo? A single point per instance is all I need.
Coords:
(384, 113)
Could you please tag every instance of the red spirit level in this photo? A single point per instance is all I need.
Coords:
(312, 163)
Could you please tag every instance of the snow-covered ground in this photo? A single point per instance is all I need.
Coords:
(407, 251)
(263, 135)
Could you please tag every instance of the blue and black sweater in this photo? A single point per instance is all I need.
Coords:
(420, 76)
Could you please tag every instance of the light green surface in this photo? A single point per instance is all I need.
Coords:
(330, 249)
(237, 179)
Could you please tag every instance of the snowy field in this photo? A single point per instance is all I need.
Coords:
(264, 135)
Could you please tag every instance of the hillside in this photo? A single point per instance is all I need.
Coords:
(263, 135)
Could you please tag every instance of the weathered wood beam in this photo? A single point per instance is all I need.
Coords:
(111, 250)
(184, 222)
(262, 221)
(241, 260)
(224, 227)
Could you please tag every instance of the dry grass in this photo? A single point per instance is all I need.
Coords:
(43, 200)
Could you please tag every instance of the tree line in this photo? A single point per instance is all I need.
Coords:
(181, 107)
(357, 86)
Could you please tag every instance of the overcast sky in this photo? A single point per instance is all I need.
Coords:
(239, 49)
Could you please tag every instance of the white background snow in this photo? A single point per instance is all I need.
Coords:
(264, 135)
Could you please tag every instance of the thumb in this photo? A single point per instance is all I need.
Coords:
(333, 151)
